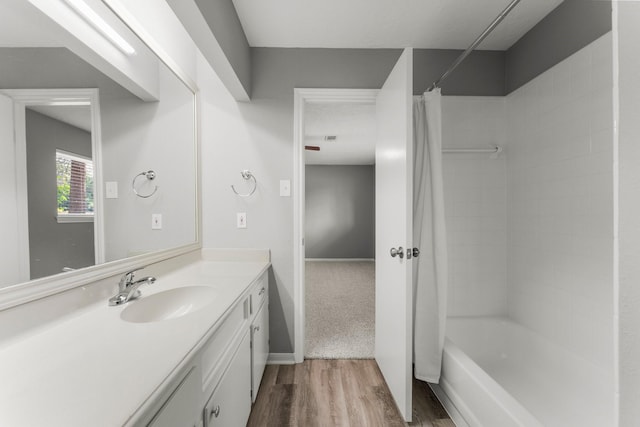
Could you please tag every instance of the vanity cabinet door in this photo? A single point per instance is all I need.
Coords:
(259, 348)
(230, 403)
(181, 409)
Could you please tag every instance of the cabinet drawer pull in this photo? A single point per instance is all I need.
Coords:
(261, 291)
(216, 411)
(256, 328)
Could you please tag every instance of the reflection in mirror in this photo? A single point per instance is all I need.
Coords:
(62, 148)
(59, 153)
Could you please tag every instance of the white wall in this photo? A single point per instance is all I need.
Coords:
(560, 204)
(627, 30)
(237, 136)
(475, 205)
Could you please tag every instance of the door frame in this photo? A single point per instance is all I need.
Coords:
(22, 98)
(300, 98)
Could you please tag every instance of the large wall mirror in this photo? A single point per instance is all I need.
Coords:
(98, 143)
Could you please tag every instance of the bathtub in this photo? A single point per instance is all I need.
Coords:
(496, 373)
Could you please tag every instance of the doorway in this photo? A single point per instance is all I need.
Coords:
(304, 98)
(57, 141)
(393, 206)
(339, 230)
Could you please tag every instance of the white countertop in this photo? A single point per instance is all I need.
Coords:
(95, 369)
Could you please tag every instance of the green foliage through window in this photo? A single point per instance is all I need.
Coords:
(75, 184)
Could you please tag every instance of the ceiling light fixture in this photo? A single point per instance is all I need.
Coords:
(90, 15)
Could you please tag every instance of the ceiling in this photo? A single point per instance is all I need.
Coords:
(433, 24)
(353, 124)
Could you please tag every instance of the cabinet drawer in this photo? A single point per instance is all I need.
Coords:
(230, 404)
(259, 293)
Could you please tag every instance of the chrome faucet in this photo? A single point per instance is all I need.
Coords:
(128, 289)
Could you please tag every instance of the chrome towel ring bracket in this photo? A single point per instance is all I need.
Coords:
(150, 175)
(247, 175)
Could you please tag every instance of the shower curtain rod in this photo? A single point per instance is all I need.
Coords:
(475, 44)
(495, 150)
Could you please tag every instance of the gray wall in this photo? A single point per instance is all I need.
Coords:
(481, 73)
(340, 211)
(225, 25)
(567, 29)
(53, 246)
(276, 71)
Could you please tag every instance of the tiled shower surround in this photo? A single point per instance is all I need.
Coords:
(530, 234)
(475, 193)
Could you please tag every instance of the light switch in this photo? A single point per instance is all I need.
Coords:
(285, 188)
(156, 221)
(242, 220)
(111, 189)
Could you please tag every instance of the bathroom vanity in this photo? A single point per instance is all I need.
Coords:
(189, 352)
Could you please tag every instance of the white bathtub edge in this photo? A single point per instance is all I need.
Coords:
(448, 405)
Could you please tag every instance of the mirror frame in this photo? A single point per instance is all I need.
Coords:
(21, 293)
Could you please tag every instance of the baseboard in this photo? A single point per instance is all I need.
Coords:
(448, 405)
(338, 259)
(281, 359)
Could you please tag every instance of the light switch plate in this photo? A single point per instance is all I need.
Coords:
(285, 188)
(156, 221)
(111, 188)
(242, 220)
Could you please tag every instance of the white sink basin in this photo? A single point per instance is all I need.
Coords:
(168, 305)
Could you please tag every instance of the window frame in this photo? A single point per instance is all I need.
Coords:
(67, 218)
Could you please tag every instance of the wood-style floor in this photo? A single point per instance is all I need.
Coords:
(328, 393)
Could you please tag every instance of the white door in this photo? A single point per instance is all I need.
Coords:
(394, 199)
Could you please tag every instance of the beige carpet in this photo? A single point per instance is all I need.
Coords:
(340, 309)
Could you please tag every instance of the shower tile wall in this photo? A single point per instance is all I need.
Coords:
(475, 205)
(560, 211)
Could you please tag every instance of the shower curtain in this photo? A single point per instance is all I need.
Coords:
(429, 234)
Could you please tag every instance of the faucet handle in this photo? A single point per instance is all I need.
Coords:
(127, 278)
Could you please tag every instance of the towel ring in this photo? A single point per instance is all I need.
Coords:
(247, 175)
(150, 175)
